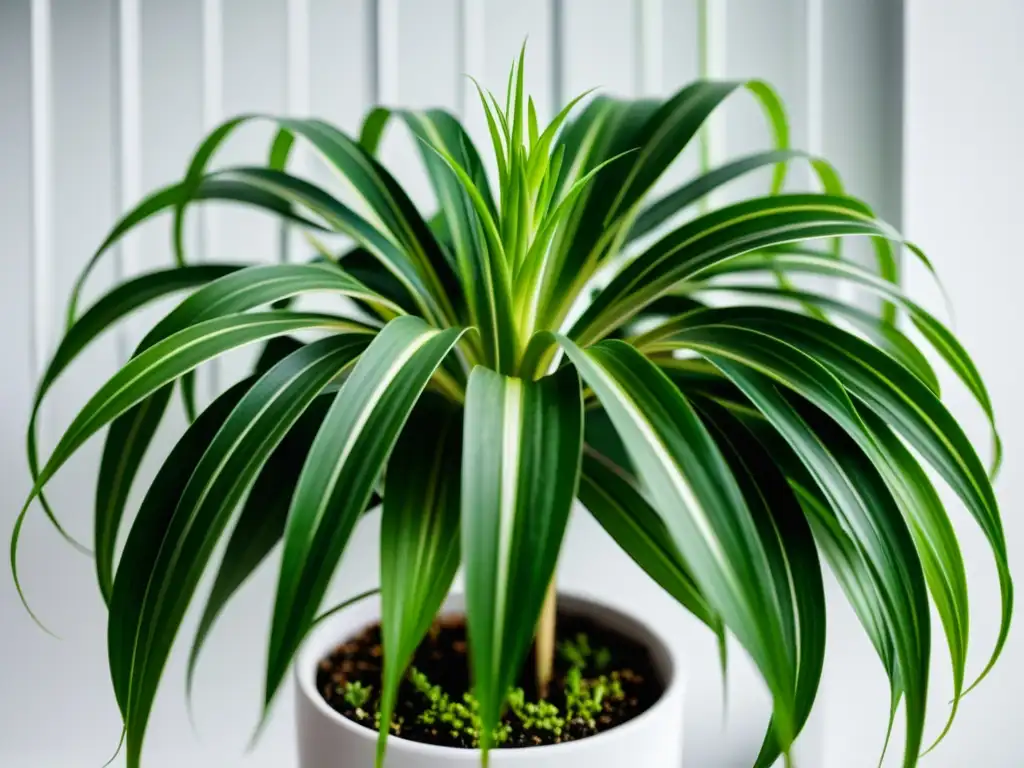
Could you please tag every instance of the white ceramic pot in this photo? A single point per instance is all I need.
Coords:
(329, 740)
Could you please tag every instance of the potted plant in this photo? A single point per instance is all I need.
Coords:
(559, 332)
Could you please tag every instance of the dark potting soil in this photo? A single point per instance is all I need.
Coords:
(616, 674)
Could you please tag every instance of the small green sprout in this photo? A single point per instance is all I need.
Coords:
(541, 715)
(355, 694)
(585, 699)
(579, 653)
(462, 718)
(576, 652)
(616, 687)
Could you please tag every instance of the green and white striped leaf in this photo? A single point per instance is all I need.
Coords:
(700, 503)
(660, 132)
(260, 524)
(881, 333)
(677, 122)
(859, 495)
(902, 401)
(393, 211)
(935, 332)
(931, 528)
(119, 303)
(166, 361)
(488, 273)
(259, 286)
(710, 239)
(419, 538)
(343, 466)
(796, 569)
(212, 187)
(158, 366)
(124, 447)
(157, 508)
(252, 431)
(854, 572)
(430, 301)
(618, 505)
(928, 523)
(131, 434)
(522, 446)
(604, 129)
(681, 198)
(936, 544)
(441, 140)
(101, 316)
(848, 564)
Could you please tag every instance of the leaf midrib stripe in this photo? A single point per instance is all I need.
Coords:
(87, 425)
(416, 288)
(253, 423)
(354, 153)
(657, 263)
(666, 128)
(612, 314)
(511, 445)
(909, 402)
(655, 546)
(484, 264)
(355, 432)
(683, 489)
(215, 308)
(847, 216)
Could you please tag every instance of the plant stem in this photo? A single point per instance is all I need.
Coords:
(546, 641)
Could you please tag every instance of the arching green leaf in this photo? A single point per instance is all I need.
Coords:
(858, 493)
(712, 238)
(787, 534)
(131, 433)
(616, 503)
(100, 317)
(344, 463)
(419, 539)
(251, 432)
(703, 508)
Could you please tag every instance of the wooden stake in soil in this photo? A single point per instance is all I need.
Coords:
(546, 641)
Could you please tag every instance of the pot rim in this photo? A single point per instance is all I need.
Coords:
(665, 659)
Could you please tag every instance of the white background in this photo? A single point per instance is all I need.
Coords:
(101, 100)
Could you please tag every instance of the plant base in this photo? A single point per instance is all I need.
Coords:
(601, 680)
(642, 725)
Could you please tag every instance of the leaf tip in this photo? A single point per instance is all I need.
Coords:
(120, 745)
(15, 537)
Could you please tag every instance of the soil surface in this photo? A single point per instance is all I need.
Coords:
(616, 666)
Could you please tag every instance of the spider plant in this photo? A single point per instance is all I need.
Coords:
(564, 330)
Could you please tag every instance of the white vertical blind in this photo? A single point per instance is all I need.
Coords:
(814, 46)
(105, 100)
(83, 59)
(649, 48)
(24, 156)
(599, 42)
(40, 142)
(748, 23)
(127, 150)
(211, 89)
